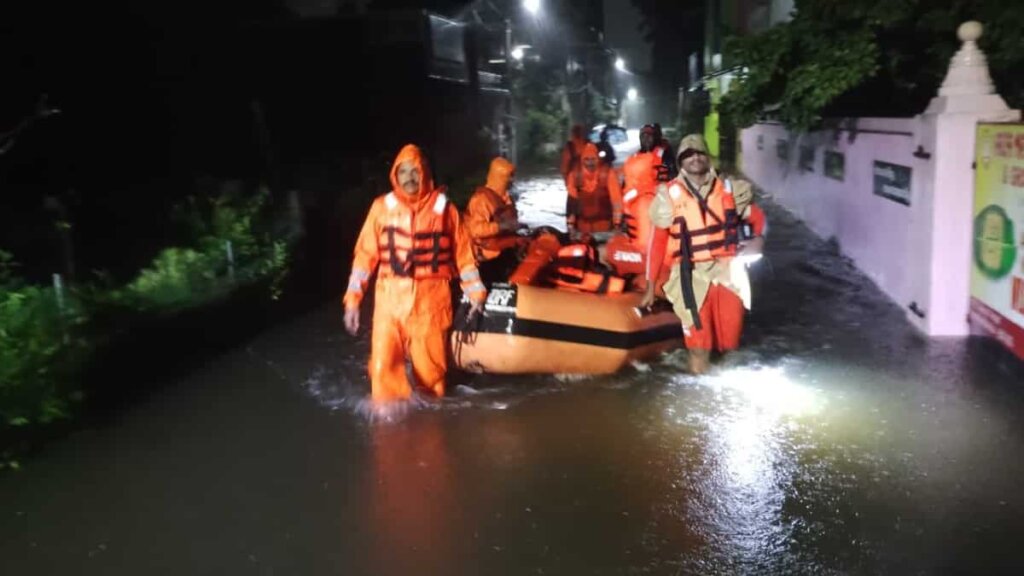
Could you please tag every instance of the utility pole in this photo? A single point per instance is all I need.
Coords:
(507, 126)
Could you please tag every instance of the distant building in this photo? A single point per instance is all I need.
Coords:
(379, 79)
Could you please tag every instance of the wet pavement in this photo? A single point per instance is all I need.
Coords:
(837, 441)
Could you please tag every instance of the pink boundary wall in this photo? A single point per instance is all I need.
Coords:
(918, 254)
(874, 231)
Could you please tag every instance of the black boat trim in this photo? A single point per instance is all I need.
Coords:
(508, 324)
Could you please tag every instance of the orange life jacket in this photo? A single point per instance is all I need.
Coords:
(595, 203)
(416, 245)
(625, 256)
(703, 230)
(489, 247)
(574, 270)
(635, 207)
(539, 254)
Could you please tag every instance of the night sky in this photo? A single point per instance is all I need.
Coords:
(622, 21)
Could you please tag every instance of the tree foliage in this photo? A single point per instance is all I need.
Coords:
(866, 57)
(40, 346)
(539, 93)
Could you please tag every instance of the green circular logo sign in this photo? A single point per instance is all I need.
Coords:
(994, 250)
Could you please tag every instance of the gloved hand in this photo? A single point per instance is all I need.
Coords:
(648, 298)
(476, 308)
(352, 320)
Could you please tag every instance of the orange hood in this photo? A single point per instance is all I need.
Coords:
(412, 153)
(640, 173)
(499, 175)
(588, 178)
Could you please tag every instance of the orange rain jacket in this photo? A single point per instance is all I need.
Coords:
(488, 207)
(592, 195)
(416, 244)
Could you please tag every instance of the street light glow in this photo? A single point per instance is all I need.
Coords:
(620, 64)
(631, 94)
(532, 6)
(517, 53)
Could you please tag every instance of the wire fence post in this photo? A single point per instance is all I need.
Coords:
(231, 260)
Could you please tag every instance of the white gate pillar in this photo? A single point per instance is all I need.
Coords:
(942, 215)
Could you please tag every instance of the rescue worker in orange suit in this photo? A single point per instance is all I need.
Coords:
(652, 142)
(572, 153)
(414, 240)
(492, 221)
(626, 253)
(595, 196)
(709, 227)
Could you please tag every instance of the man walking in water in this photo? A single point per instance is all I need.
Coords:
(415, 242)
(704, 222)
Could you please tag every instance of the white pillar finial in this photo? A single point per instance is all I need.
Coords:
(968, 69)
(970, 31)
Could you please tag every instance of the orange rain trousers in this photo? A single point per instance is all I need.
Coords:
(721, 316)
(419, 333)
(601, 225)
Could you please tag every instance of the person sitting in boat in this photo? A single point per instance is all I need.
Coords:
(414, 240)
(708, 226)
(626, 252)
(595, 197)
(492, 221)
(653, 142)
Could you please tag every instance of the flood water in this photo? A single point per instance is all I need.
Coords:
(837, 441)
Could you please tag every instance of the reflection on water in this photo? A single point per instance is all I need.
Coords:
(411, 503)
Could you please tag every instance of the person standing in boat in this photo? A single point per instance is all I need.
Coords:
(626, 252)
(414, 240)
(572, 152)
(708, 226)
(595, 196)
(493, 221)
(653, 142)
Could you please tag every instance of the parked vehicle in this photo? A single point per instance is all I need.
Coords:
(624, 142)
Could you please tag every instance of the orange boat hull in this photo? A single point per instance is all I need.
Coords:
(531, 329)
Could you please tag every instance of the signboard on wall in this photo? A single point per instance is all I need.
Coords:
(892, 181)
(835, 165)
(997, 265)
(782, 149)
(806, 159)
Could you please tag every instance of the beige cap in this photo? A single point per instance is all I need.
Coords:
(693, 142)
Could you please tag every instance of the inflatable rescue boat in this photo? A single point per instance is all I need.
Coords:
(544, 320)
